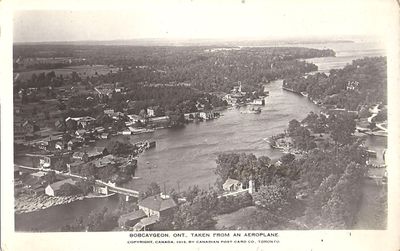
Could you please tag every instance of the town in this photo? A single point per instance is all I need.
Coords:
(81, 124)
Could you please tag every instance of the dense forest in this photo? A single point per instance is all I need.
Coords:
(361, 83)
(201, 67)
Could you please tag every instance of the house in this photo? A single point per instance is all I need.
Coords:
(59, 124)
(44, 160)
(105, 135)
(99, 129)
(97, 152)
(54, 189)
(48, 142)
(80, 155)
(59, 145)
(159, 119)
(232, 185)
(136, 118)
(109, 112)
(146, 224)
(80, 132)
(131, 219)
(29, 126)
(258, 101)
(206, 115)
(118, 115)
(82, 122)
(352, 85)
(159, 205)
(73, 143)
(103, 162)
(150, 112)
(100, 189)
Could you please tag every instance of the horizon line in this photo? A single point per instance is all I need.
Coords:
(319, 39)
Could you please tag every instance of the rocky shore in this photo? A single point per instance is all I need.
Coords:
(29, 203)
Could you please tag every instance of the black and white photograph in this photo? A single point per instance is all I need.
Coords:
(229, 116)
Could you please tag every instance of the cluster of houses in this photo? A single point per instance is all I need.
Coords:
(150, 211)
(237, 97)
(153, 208)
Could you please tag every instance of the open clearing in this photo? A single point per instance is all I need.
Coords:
(82, 70)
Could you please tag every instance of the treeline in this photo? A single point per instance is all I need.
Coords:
(364, 82)
(201, 68)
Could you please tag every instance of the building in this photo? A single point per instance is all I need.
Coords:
(146, 224)
(232, 185)
(82, 122)
(151, 112)
(44, 160)
(29, 126)
(91, 154)
(131, 219)
(54, 189)
(162, 119)
(159, 205)
(109, 112)
(206, 115)
(352, 85)
(258, 101)
(101, 189)
(136, 118)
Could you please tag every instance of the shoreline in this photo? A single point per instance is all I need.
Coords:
(28, 203)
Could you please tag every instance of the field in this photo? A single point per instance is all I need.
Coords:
(82, 70)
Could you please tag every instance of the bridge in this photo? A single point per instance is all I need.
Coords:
(120, 190)
(110, 186)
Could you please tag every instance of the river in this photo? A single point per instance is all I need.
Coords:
(185, 157)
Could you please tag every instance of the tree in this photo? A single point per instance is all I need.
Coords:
(119, 148)
(341, 128)
(85, 186)
(152, 189)
(69, 190)
(102, 220)
(275, 197)
(88, 170)
(287, 158)
(198, 214)
(60, 165)
(293, 126)
(50, 177)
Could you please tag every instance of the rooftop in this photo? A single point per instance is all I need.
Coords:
(157, 203)
(57, 185)
(137, 214)
(230, 182)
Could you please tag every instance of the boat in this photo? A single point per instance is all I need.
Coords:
(135, 131)
(305, 94)
(252, 111)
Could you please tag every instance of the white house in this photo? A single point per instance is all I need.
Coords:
(53, 189)
(232, 185)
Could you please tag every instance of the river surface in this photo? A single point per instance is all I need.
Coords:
(186, 157)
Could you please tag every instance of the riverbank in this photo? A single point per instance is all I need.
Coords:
(27, 203)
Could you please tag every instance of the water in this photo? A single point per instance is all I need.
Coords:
(345, 54)
(54, 218)
(186, 157)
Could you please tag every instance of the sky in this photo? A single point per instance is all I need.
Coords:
(194, 19)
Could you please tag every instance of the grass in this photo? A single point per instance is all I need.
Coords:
(82, 70)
